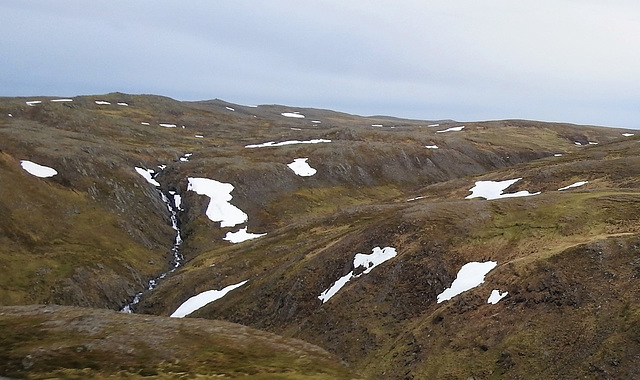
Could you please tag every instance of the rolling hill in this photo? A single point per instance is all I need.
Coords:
(338, 230)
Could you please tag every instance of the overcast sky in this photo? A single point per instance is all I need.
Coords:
(554, 60)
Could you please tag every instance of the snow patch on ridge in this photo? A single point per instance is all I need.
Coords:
(219, 209)
(493, 190)
(496, 296)
(577, 184)
(37, 170)
(202, 299)
(468, 277)
(301, 167)
(370, 261)
(290, 142)
(241, 235)
(148, 175)
(296, 115)
(452, 129)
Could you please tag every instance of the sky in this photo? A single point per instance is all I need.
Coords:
(574, 61)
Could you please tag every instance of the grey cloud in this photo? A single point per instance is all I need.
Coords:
(550, 60)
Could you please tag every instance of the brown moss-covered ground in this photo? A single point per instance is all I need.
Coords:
(40, 342)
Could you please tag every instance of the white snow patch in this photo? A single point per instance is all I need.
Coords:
(199, 136)
(452, 129)
(145, 123)
(316, 121)
(468, 277)
(296, 129)
(123, 104)
(296, 115)
(496, 296)
(291, 142)
(431, 146)
(202, 299)
(230, 109)
(102, 102)
(37, 169)
(241, 235)
(167, 125)
(61, 100)
(177, 201)
(301, 167)
(219, 208)
(493, 190)
(577, 143)
(627, 134)
(370, 261)
(33, 102)
(580, 183)
(376, 125)
(557, 155)
(414, 199)
(162, 167)
(593, 143)
(433, 125)
(148, 175)
(10, 115)
(186, 157)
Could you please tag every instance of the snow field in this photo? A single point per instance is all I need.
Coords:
(295, 115)
(148, 175)
(240, 236)
(202, 299)
(496, 296)
(493, 190)
(301, 167)
(370, 261)
(577, 184)
(291, 142)
(452, 129)
(469, 276)
(219, 209)
(37, 170)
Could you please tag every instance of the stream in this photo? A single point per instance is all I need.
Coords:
(172, 201)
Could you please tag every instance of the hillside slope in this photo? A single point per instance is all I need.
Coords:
(392, 190)
(69, 342)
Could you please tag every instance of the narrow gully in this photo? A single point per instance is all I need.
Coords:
(177, 258)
